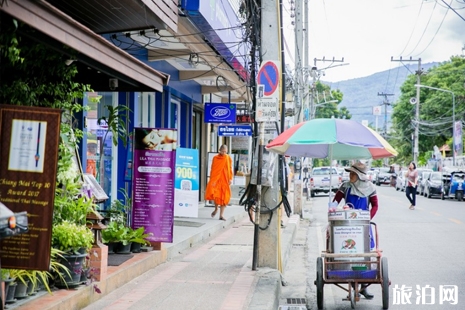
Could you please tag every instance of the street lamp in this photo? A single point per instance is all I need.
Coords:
(313, 112)
(453, 115)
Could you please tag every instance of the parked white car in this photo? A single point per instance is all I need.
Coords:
(371, 176)
(324, 178)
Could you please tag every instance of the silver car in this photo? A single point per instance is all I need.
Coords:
(422, 176)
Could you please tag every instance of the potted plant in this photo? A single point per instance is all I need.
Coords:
(75, 241)
(117, 236)
(22, 278)
(58, 271)
(8, 285)
(138, 239)
(72, 238)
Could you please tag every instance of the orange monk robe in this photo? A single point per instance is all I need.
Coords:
(91, 165)
(218, 188)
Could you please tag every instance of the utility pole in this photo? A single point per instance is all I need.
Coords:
(268, 254)
(298, 77)
(300, 86)
(385, 103)
(305, 29)
(315, 74)
(418, 73)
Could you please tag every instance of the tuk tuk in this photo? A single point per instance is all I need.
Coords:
(453, 185)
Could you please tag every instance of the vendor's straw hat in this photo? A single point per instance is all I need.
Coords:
(360, 169)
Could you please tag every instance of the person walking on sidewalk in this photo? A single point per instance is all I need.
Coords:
(412, 183)
(219, 186)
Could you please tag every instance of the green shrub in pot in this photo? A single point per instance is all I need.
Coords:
(116, 232)
(70, 237)
(139, 236)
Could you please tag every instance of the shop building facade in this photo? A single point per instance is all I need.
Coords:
(162, 60)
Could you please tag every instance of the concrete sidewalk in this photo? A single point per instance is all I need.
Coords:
(188, 232)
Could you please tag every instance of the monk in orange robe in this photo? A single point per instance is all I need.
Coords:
(221, 176)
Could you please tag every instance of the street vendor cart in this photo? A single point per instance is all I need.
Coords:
(348, 258)
(348, 261)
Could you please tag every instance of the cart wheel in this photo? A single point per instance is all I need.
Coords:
(319, 282)
(385, 282)
(459, 196)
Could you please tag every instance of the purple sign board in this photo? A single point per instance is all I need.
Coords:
(153, 165)
(220, 113)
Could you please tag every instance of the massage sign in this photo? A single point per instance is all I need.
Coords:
(154, 152)
(29, 149)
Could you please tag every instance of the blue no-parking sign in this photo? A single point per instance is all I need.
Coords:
(268, 76)
(267, 102)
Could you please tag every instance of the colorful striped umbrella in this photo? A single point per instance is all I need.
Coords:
(333, 138)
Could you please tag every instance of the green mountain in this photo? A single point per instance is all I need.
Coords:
(361, 95)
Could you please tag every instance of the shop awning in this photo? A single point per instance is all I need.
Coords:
(95, 51)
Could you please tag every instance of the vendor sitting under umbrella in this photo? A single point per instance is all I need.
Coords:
(359, 193)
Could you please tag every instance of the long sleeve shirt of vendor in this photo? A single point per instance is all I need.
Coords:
(360, 194)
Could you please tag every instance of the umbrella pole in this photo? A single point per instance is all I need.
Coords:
(330, 173)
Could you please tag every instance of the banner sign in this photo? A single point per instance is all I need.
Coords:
(186, 183)
(231, 131)
(29, 151)
(220, 113)
(153, 182)
(458, 145)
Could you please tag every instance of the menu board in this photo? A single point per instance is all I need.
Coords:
(153, 182)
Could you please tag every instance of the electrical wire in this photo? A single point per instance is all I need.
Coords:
(413, 30)
(432, 39)
(424, 29)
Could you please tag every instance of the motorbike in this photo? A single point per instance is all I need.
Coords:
(453, 185)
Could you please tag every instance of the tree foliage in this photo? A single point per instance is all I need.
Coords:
(435, 110)
(34, 74)
(328, 110)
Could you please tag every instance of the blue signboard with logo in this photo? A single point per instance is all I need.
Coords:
(235, 131)
(220, 113)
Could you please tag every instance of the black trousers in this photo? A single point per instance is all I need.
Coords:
(411, 193)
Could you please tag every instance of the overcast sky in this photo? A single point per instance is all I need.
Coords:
(368, 32)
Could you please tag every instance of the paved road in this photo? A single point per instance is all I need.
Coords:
(423, 247)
